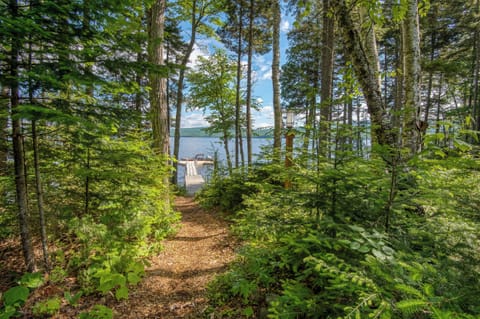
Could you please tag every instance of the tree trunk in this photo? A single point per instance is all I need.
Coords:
(360, 46)
(433, 44)
(249, 83)
(138, 95)
(476, 72)
(158, 83)
(18, 148)
(327, 76)
(238, 104)
(3, 131)
(194, 23)
(39, 191)
(411, 73)
(277, 109)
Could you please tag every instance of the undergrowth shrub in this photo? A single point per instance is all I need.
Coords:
(127, 218)
(320, 249)
(227, 192)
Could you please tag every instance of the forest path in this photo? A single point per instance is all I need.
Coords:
(175, 283)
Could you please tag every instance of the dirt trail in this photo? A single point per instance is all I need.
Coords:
(175, 283)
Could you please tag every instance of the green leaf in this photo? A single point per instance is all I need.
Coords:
(355, 245)
(72, 299)
(133, 278)
(248, 312)
(364, 249)
(379, 254)
(16, 295)
(32, 280)
(121, 293)
(98, 312)
(8, 312)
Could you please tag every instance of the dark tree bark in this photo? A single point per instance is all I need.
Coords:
(3, 131)
(327, 75)
(158, 82)
(39, 191)
(18, 148)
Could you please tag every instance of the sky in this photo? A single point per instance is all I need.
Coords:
(262, 90)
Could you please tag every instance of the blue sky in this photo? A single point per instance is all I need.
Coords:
(262, 83)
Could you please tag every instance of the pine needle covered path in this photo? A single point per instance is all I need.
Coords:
(175, 283)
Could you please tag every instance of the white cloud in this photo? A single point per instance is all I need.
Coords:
(263, 68)
(267, 110)
(266, 76)
(285, 26)
(262, 125)
(194, 120)
(197, 52)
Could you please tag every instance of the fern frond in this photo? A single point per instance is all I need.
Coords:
(409, 290)
(411, 306)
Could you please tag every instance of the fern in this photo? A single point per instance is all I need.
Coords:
(411, 306)
(409, 290)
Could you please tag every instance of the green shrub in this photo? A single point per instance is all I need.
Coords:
(97, 312)
(47, 307)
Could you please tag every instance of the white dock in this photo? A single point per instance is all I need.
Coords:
(193, 180)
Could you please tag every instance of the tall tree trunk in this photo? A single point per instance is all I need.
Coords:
(277, 109)
(249, 82)
(138, 95)
(158, 83)
(3, 131)
(476, 72)
(18, 148)
(238, 104)
(39, 191)
(194, 23)
(361, 47)
(411, 73)
(433, 44)
(327, 75)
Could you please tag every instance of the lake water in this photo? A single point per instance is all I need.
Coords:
(191, 146)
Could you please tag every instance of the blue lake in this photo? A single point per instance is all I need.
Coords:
(191, 146)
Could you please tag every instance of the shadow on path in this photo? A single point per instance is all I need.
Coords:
(175, 283)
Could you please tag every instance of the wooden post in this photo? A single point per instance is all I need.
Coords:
(288, 154)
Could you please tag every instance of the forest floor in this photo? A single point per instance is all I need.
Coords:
(175, 282)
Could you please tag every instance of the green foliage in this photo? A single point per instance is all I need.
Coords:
(15, 296)
(32, 280)
(97, 312)
(13, 299)
(72, 299)
(47, 307)
(226, 192)
(320, 250)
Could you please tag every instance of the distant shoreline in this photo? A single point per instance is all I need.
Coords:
(201, 132)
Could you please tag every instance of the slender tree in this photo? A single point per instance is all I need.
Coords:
(411, 74)
(198, 13)
(359, 42)
(327, 66)
(277, 108)
(18, 144)
(213, 89)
